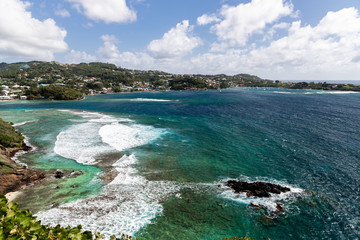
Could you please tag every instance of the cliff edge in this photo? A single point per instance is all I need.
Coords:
(12, 175)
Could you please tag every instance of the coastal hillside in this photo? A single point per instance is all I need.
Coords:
(12, 175)
(58, 81)
(25, 79)
(9, 137)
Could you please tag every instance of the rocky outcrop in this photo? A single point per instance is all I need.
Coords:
(23, 147)
(18, 178)
(256, 189)
(66, 173)
(59, 173)
(14, 176)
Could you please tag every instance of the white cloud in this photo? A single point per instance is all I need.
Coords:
(242, 21)
(270, 33)
(25, 37)
(177, 42)
(329, 50)
(78, 57)
(329, 46)
(108, 11)
(62, 13)
(109, 50)
(207, 19)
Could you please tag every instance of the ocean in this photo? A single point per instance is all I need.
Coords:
(153, 165)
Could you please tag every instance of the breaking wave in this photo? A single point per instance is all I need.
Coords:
(129, 201)
(125, 205)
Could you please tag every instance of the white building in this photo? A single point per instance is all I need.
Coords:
(4, 98)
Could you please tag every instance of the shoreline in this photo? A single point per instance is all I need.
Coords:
(17, 176)
(11, 196)
(158, 91)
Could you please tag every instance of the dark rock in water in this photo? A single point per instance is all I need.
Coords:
(59, 174)
(256, 189)
(257, 206)
(280, 208)
(76, 173)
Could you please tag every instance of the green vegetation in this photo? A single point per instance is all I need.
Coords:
(17, 224)
(9, 137)
(53, 92)
(96, 77)
(104, 78)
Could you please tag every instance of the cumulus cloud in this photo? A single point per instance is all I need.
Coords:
(109, 52)
(332, 44)
(109, 11)
(270, 33)
(79, 56)
(62, 13)
(25, 37)
(207, 19)
(240, 22)
(177, 42)
(330, 49)
(327, 50)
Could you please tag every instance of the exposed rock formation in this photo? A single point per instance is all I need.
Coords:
(256, 189)
(14, 176)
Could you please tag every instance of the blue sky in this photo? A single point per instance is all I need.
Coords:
(275, 39)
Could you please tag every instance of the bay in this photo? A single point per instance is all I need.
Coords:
(152, 162)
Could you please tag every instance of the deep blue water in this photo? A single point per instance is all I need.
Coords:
(196, 140)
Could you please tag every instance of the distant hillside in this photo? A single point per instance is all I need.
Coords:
(103, 77)
(97, 77)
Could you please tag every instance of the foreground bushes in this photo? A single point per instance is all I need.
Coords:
(16, 224)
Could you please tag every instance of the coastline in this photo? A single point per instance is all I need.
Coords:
(157, 91)
(11, 196)
(14, 176)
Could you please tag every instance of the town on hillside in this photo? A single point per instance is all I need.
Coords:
(54, 80)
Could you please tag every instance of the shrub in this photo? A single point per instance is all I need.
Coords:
(18, 224)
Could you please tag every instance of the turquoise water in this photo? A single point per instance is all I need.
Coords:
(153, 162)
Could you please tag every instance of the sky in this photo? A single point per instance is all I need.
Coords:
(273, 39)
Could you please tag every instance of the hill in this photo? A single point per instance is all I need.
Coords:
(99, 77)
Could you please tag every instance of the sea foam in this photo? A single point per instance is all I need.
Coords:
(82, 142)
(126, 205)
(24, 123)
(150, 100)
(129, 201)
(121, 136)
